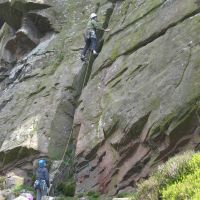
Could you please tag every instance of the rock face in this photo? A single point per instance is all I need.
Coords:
(40, 79)
(141, 104)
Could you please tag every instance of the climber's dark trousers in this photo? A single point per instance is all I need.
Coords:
(94, 44)
(89, 42)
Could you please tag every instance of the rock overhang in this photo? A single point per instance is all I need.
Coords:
(27, 25)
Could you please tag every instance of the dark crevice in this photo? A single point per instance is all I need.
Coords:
(116, 83)
(111, 129)
(101, 157)
(25, 29)
(185, 130)
(36, 92)
(128, 150)
(88, 68)
(25, 7)
(8, 158)
(81, 166)
(136, 71)
(198, 116)
(102, 170)
(10, 15)
(19, 46)
(97, 7)
(5, 102)
(42, 23)
(26, 77)
(137, 168)
(129, 184)
(1, 22)
(93, 168)
(108, 16)
(132, 132)
(115, 172)
(125, 13)
(118, 75)
(92, 154)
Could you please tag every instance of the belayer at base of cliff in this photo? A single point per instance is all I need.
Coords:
(41, 184)
(90, 35)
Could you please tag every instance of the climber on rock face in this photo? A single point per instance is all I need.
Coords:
(90, 35)
(42, 180)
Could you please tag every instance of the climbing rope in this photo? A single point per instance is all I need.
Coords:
(84, 82)
(87, 69)
(71, 132)
(63, 157)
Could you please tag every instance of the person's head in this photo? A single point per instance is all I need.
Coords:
(93, 16)
(42, 163)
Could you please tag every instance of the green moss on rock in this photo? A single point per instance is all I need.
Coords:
(67, 188)
(2, 182)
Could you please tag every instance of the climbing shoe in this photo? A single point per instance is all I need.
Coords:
(94, 52)
(82, 57)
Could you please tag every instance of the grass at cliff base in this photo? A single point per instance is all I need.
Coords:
(177, 179)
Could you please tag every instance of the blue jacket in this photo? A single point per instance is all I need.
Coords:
(42, 174)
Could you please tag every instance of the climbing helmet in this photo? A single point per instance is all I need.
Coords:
(42, 163)
(93, 15)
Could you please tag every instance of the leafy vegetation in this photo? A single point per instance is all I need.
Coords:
(68, 189)
(2, 182)
(17, 190)
(177, 179)
(91, 195)
(188, 185)
(123, 195)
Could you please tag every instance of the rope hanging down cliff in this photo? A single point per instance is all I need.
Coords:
(58, 171)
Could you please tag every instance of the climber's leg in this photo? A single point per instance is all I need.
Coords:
(94, 45)
(85, 49)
